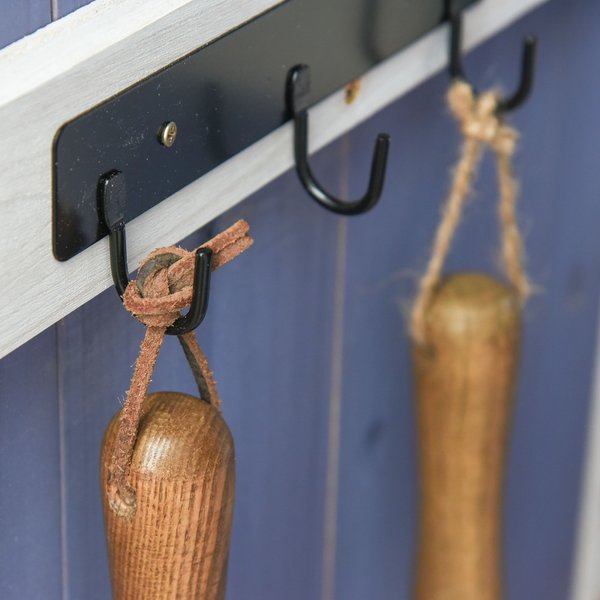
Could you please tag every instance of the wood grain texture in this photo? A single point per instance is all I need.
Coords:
(464, 381)
(68, 67)
(183, 471)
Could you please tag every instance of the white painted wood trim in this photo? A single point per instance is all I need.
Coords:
(586, 562)
(69, 66)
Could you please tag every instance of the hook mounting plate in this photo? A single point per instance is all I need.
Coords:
(221, 99)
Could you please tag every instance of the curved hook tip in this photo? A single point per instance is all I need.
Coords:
(200, 295)
(383, 139)
(378, 168)
(530, 43)
(380, 155)
(530, 40)
(298, 101)
(528, 60)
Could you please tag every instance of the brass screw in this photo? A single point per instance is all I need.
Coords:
(167, 133)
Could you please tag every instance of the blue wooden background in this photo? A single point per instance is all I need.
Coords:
(306, 333)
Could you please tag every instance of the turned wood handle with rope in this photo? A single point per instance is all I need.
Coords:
(167, 461)
(464, 380)
(466, 333)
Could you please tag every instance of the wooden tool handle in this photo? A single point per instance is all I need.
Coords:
(465, 377)
(177, 543)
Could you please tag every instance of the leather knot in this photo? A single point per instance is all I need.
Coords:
(163, 287)
(479, 119)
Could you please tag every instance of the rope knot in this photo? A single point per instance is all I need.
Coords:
(479, 119)
(163, 287)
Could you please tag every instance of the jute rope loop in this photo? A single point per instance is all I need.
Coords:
(481, 126)
(163, 288)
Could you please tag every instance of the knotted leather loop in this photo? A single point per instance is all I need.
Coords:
(162, 289)
(165, 278)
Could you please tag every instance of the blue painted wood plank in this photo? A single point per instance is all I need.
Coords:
(561, 184)
(30, 482)
(270, 343)
(98, 344)
(22, 17)
(558, 168)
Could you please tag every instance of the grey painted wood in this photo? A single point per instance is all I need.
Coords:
(558, 167)
(30, 480)
(20, 17)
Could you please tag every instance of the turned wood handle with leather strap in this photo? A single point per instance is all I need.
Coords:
(465, 378)
(177, 542)
(167, 459)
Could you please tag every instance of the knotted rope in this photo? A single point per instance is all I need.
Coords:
(481, 126)
(162, 289)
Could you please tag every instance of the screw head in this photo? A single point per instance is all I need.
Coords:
(167, 133)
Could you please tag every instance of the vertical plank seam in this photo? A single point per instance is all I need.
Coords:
(58, 336)
(60, 328)
(54, 16)
(332, 474)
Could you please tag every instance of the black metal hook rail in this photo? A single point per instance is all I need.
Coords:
(184, 121)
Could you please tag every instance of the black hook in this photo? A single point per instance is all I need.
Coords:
(527, 62)
(297, 97)
(112, 196)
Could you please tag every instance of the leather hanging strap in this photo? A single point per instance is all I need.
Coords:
(162, 289)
